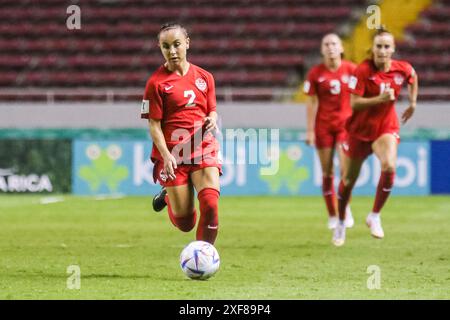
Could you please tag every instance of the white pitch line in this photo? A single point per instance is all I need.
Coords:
(49, 200)
(124, 246)
(109, 197)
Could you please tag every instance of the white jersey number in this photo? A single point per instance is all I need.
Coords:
(335, 87)
(384, 86)
(192, 96)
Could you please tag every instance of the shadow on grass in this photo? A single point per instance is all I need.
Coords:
(92, 276)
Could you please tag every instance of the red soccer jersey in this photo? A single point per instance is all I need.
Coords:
(181, 103)
(331, 89)
(370, 123)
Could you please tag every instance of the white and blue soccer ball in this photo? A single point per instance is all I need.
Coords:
(199, 260)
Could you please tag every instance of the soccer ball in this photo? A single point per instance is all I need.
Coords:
(199, 260)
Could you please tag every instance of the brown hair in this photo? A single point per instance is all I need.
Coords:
(172, 25)
(380, 31)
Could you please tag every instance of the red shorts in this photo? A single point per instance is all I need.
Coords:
(360, 149)
(328, 138)
(182, 172)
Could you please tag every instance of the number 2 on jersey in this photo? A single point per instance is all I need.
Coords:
(192, 96)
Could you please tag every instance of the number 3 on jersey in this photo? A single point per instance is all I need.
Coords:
(191, 95)
(335, 87)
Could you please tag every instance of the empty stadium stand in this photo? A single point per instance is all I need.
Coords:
(427, 47)
(250, 46)
(255, 49)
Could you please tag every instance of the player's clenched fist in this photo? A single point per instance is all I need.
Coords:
(388, 95)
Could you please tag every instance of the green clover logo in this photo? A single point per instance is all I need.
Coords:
(103, 168)
(289, 173)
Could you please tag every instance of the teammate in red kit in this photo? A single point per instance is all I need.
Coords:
(373, 126)
(180, 103)
(328, 107)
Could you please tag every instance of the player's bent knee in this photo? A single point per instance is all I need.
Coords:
(186, 228)
(186, 223)
(349, 180)
(328, 174)
(388, 166)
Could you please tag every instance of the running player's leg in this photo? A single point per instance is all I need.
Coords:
(180, 205)
(351, 173)
(349, 222)
(385, 149)
(326, 162)
(206, 182)
(352, 168)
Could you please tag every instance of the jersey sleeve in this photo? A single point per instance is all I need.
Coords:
(211, 97)
(410, 73)
(309, 86)
(356, 84)
(152, 106)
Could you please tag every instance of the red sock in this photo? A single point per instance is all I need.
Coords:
(186, 223)
(344, 194)
(383, 190)
(329, 195)
(209, 218)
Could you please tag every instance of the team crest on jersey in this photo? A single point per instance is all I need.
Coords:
(352, 82)
(398, 79)
(345, 78)
(306, 86)
(201, 84)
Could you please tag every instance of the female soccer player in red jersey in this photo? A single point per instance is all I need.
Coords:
(373, 126)
(328, 107)
(180, 103)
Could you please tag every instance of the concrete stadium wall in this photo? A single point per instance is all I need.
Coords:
(433, 115)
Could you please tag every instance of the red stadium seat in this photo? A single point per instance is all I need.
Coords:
(245, 44)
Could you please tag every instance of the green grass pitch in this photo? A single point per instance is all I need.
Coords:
(270, 248)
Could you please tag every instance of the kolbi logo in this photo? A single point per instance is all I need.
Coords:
(412, 171)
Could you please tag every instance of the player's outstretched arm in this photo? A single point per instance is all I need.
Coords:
(413, 90)
(361, 103)
(311, 111)
(170, 162)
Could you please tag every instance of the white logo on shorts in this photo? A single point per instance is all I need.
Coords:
(345, 146)
(163, 176)
(201, 84)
